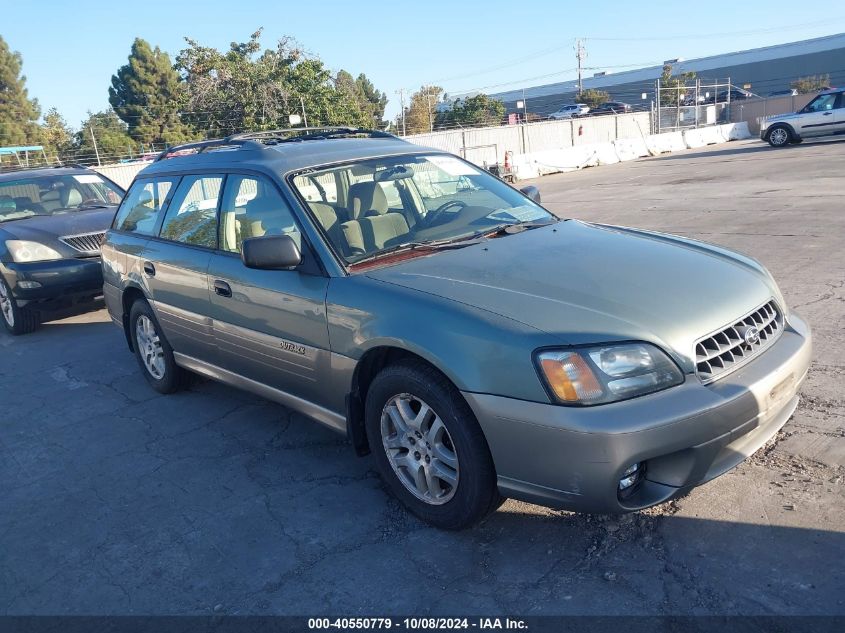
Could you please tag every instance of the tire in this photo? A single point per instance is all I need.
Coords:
(779, 136)
(15, 319)
(153, 352)
(448, 443)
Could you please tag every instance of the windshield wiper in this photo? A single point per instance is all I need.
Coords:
(435, 245)
(99, 205)
(509, 228)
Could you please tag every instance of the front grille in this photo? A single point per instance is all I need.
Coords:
(85, 243)
(735, 345)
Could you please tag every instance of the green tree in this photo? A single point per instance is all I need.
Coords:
(18, 113)
(592, 97)
(421, 111)
(669, 97)
(809, 85)
(244, 89)
(113, 140)
(56, 136)
(472, 111)
(147, 94)
(363, 95)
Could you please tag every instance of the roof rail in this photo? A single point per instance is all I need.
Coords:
(309, 134)
(255, 140)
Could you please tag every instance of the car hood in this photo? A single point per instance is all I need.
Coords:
(587, 283)
(46, 229)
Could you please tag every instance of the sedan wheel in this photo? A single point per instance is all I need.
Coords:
(15, 319)
(6, 306)
(420, 449)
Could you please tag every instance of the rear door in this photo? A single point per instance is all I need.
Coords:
(175, 264)
(269, 325)
(123, 249)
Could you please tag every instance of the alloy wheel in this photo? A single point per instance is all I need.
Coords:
(779, 136)
(6, 305)
(149, 346)
(419, 449)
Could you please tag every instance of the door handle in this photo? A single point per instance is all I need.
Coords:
(222, 288)
(149, 269)
(827, 113)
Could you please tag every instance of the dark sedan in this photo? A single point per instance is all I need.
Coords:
(52, 221)
(612, 107)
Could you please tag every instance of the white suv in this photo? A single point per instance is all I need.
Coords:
(823, 116)
(570, 111)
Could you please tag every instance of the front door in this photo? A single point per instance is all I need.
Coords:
(175, 263)
(269, 325)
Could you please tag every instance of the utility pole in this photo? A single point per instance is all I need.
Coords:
(304, 118)
(430, 119)
(402, 99)
(580, 55)
(94, 138)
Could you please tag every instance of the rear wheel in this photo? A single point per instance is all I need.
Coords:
(16, 319)
(779, 136)
(429, 448)
(153, 352)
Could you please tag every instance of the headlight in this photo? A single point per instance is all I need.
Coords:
(23, 251)
(607, 373)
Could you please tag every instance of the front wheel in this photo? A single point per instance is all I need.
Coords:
(429, 447)
(17, 320)
(779, 136)
(153, 352)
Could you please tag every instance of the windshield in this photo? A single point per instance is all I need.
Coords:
(53, 195)
(380, 204)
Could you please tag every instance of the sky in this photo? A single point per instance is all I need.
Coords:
(71, 49)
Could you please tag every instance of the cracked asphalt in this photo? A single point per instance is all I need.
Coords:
(116, 500)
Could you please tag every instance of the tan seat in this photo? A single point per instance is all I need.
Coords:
(372, 226)
(327, 217)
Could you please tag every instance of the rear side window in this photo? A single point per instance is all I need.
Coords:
(191, 216)
(140, 208)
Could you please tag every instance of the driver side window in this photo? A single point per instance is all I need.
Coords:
(822, 103)
(253, 207)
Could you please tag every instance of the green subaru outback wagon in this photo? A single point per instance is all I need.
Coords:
(479, 347)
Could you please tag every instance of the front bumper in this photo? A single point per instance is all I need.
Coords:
(573, 458)
(57, 282)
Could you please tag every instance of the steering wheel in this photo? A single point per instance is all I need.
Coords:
(433, 216)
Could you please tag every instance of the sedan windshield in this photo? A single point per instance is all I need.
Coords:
(53, 195)
(381, 205)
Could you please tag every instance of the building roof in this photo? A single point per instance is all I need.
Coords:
(700, 66)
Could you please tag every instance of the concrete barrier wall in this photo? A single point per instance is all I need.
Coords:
(534, 164)
(122, 173)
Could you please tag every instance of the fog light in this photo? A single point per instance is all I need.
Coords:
(29, 285)
(630, 476)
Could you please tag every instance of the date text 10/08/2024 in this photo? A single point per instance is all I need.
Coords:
(414, 624)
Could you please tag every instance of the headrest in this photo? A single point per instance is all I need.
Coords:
(326, 215)
(365, 197)
(74, 198)
(261, 207)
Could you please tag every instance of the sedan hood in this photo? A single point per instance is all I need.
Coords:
(585, 283)
(46, 229)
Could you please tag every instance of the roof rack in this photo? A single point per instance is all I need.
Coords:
(255, 140)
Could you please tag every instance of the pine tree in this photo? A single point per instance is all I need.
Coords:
(147, 93)
(18, 113)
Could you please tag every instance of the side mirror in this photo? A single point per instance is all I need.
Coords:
(532, 192)
(272, 252)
